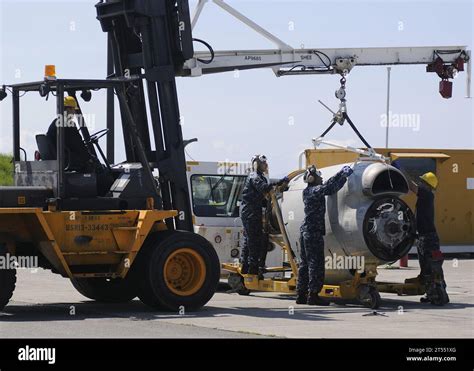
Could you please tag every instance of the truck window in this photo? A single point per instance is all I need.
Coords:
(216, 195)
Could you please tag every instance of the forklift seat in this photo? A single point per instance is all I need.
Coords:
(45, 147)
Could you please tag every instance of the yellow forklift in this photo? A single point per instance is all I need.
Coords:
(117, 231)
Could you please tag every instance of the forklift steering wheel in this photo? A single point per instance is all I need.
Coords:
(94, 138)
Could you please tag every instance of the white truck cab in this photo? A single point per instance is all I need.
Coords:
(215, 191)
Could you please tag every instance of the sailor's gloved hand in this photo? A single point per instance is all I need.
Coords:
(347, 170)
(282, 181)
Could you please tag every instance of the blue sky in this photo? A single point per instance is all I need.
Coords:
(237, 117)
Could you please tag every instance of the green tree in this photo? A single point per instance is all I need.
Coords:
(6, 170)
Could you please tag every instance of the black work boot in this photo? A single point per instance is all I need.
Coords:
(314, 299)
(253, 270)
(244, 269)
(425, 299)
(302, 297)
(436, 295)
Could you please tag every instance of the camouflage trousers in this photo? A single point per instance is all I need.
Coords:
(253, 249)
(430, 258)
(311, 267)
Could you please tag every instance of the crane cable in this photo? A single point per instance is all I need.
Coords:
(341, 116)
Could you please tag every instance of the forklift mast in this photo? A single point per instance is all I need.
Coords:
(151, 39)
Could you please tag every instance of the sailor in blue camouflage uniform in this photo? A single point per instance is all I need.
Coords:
(253, 200)
(311, 268)
(429, 254)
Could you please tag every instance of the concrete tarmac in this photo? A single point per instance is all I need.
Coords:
(47, 305)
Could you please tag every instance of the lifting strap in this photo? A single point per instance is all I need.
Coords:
(342, 115)
(347, 118)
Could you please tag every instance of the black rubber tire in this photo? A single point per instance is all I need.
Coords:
(7, 283)
(153, 290)
(375, 299)
(104, 290)
(371, 299)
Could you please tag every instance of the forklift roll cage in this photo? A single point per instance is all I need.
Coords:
(148, 42)
(59, 88)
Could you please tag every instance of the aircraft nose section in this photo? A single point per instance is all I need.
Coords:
(389, 228)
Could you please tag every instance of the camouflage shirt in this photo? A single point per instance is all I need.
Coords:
(253, 195)
(315, 203)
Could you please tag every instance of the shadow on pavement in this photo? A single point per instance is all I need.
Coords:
(137, 311)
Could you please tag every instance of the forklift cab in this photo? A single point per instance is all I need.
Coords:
(62, 179)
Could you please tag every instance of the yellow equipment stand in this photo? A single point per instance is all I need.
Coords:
(362, 288)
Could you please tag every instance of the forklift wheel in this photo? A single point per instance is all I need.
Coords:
(106, 290)
(177, 270)
(7, 286)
